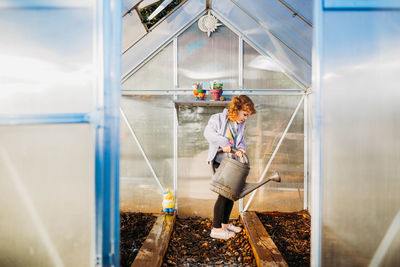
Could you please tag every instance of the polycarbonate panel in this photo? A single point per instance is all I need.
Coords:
(151, 118)
(47, 56)
(145, 3)
(132, 29)
(262, 134)
(160, 35)
(203, 58)
(47, 195)
(266, 42)
(261, 72)
(303, 7)
(278, 19)
(156, 74)
(128, 4)
(360, 138)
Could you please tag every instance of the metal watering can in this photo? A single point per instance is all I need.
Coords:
(229, 180)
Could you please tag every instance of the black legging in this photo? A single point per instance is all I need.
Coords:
(222, 211)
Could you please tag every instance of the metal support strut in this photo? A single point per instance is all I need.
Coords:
(141, 150)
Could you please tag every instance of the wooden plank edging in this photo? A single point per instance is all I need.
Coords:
(154, 247)
(264, 249)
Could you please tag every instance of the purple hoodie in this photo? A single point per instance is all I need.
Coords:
(214, 133)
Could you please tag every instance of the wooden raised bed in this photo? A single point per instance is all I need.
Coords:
(265, 250)
(154, 247)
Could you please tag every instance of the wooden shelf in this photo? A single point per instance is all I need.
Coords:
(202, 103)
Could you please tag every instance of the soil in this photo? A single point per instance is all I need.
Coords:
(134, 229)
(291, 234)
(191, 245)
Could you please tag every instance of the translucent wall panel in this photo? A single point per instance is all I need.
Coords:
(151, 117)
(262, 134)
(47, 195)
(264, 131)
(264, 40)
(261, 72)
(280, 21)
(128, 4)
(132, 29)
(203, 58)
(157, 74)
(303, 7)
(47, 52)
(360, 137)
(179, 19)
(147, 3)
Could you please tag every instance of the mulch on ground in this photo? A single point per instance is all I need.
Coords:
(134, 228)
(291, 234)
(191, 245)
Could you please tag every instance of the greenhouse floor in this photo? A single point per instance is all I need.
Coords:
(178, 241)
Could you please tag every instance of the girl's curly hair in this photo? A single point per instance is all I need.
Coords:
(238, 103)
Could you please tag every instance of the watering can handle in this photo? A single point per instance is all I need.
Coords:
(234, 150)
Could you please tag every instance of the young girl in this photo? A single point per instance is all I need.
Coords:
(225, 130)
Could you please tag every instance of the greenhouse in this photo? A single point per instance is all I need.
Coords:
(104, 117)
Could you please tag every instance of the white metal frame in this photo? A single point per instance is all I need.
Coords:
(175, 118)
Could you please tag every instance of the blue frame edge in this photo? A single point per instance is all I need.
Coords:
(361, 4)
(107, 139)
(45, 118)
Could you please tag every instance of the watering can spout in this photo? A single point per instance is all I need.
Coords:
(250, 187)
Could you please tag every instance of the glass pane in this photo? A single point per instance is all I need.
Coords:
(132, 29)
(261, 72)
(151, 118)
(47, 195)
(262, 134)
(203, 58)
(157, 74)
(47, 52)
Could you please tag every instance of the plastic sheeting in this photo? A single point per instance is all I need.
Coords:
(160, 35)
(47, 195)
(293, 62)
(151, 118)
(132, 30)
(360, 138)
(282, 23)
(261, 72)
(156, 74)
(128, 4)
(303, 7)
(262, 134)
(42, 64)
(203, 58)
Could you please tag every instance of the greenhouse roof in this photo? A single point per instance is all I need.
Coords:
(281, 30)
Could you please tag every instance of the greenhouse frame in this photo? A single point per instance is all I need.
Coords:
(98, 117)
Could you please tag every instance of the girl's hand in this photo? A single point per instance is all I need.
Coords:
(239, 153)
(227, 148)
